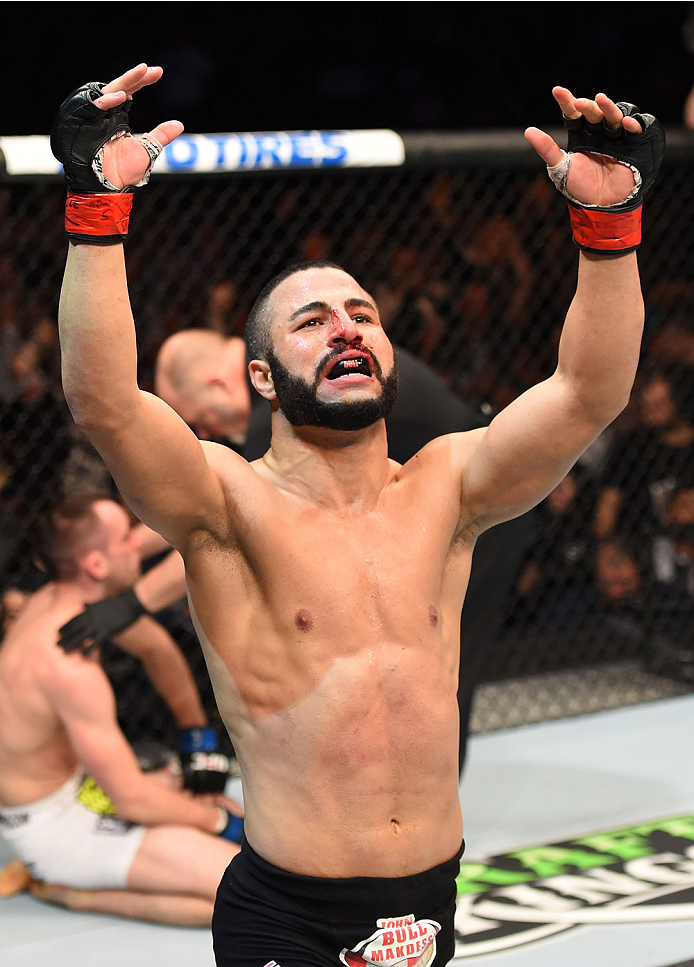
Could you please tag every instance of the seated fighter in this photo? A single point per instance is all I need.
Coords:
(75, 807)
(123, 618)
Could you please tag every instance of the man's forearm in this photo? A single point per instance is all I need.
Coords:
(97, 335)
(167, 669)
(150, 543)
(151, 804)
(601, 339)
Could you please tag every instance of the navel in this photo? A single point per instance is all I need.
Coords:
(433, 616)
(303, 620)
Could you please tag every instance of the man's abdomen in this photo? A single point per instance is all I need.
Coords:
(360, 777)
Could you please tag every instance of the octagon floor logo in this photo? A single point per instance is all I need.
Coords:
(629, 875)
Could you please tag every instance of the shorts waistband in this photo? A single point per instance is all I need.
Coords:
(350, 898)
(62, 796)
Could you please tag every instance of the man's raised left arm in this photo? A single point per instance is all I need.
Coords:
(614, 154)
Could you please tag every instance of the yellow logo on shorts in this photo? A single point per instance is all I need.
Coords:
(93, 797)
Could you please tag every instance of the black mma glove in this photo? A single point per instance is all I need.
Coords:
(204, 768)
(96, 211)
(614, 229)
(99, 622)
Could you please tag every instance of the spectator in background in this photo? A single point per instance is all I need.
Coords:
(486, 247)
(623, 597)
(672, 643)
(222, 310)
(645, 466)
(645, 620)
(412, 304)
(673, 546)
(493, 251)
(490, 281)
(34, 421)
(618, 574)
(11, 306)
(202, 375)
(314, 246)
(670, 322)
(555, 581)
(650, 621)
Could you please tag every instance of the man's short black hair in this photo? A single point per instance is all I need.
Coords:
(258, 325)
(64, 530)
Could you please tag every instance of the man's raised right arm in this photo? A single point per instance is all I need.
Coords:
(157, 462)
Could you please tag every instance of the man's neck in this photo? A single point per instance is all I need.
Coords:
(84, 589)
(343, 470)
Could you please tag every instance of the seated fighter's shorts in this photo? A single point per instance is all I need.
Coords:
(73, 837)
(268, 917)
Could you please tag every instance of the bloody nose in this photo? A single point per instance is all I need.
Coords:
(343, 327)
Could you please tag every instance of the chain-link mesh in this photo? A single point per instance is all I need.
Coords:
(473, 270)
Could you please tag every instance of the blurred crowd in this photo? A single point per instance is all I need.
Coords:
(472, 272)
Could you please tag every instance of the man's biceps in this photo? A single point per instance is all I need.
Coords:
(483, 460)
(515, 478)
(89, 741)
(151, 434)
(94, 733)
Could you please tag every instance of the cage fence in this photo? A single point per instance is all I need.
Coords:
(471, 262)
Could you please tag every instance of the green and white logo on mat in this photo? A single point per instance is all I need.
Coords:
(630, 875)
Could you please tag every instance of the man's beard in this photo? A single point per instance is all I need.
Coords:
(300, 405)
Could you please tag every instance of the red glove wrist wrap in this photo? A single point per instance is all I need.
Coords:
(101, 217)
(606, 232)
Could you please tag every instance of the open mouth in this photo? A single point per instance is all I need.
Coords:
(349, 366)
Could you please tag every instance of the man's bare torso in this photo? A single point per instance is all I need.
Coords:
(332, 639)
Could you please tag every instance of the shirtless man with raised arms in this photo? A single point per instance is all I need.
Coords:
(326, 581)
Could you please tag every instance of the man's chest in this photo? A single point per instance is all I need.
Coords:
(404, 542)
(315, 575)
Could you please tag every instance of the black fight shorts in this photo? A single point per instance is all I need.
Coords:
(268, 917)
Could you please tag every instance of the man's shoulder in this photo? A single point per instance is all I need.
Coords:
(33, 642)
(448, 451)
(37, 623)
(224, 460)
(72, 681)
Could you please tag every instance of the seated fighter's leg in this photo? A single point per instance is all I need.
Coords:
(179, 911)
(172, 879)
(181, 860)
